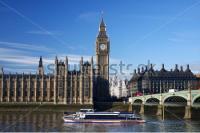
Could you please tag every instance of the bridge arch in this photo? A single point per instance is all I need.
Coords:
(175, 100)
(196, 99)
(137, 101)
(152, 100)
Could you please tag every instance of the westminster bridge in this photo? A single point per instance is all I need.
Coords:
(187, 98)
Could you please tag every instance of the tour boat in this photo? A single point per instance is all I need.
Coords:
(89, 116)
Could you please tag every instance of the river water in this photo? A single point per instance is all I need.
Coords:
(52, 121)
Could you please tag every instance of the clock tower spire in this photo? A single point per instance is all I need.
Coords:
(102, 51)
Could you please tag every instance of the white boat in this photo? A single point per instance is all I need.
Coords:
(89, 116)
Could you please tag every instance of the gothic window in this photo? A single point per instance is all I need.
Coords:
(38, 85)
(19, 85)
(11, 87)
(4, 85)
(45, 85)
(38, 93)
(5, 93)
(32, 93)
(45, 93)
(69, 84)
(86, 92)
(25, 93)
(11, 93)
(19, 92)
(51, 94)
(51, 83)
(68, 93)
(61, 86)
(77, 93)
(25, 84)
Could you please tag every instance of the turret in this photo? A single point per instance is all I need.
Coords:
(56, 65)
(163, 66)
(138, 70)
(181, 68)
(188, 68)
(40, 67)
(102, 30)
(81, 65)
(91, 67)
(134, 71)
(176, 68)
(142, 69)
(146, 68)
(151, 66)
(91, 60)
(66, 65)
(102, 26)
(1, 71)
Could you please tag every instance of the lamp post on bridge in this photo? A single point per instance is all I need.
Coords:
(142, 105)
(161, 109)
(132, 90)
(163, 106)
(189, 103)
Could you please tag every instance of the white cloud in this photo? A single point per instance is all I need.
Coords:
(18, 70)
(9, 51)
(20, 60)
(39, 32)
(25, 46)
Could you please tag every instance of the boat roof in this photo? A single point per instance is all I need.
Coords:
(86, 110)
(99, 114)
(107, 113)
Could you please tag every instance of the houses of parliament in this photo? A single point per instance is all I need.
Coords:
(63, 86)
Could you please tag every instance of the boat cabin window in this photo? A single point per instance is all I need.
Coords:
(101, 117)
(86, 110)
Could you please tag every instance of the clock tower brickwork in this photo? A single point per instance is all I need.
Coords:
(101, 93)
(102, 52)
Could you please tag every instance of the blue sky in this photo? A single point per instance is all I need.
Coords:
(139, 30)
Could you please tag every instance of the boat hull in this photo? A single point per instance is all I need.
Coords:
(101, 121)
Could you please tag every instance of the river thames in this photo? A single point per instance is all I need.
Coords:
(52, 122)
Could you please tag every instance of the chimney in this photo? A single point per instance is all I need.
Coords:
(181, 68)
(188, 67)
(142, 69)
(146, 68)
(138, 70)
(163, 66)
(176, 66)
(151, 66)
(56, 60)
(134, 71)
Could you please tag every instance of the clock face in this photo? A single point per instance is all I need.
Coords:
(102, 46)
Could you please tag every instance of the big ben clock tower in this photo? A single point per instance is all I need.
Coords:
(102, 52)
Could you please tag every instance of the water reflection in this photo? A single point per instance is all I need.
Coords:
(52, 121)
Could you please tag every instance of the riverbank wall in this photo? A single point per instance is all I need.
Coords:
(103, 106)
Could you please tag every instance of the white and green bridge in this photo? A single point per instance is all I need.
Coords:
(187, 98)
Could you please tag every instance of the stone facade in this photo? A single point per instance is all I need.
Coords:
(118, 87)
(150, 81)
(63, 86)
